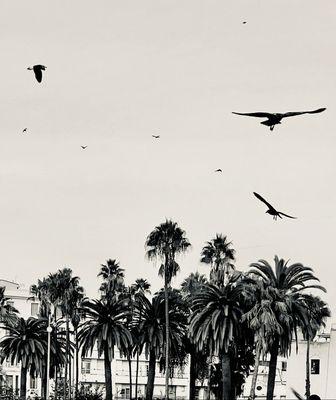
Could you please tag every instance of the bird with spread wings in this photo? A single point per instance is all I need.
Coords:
(275, 118)
(271, 210)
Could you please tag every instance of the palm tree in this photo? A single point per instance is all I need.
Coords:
(105, 328)
(288, 313)
(191, 286)
(113, 277)
(25, 343)
(141, 287)
(164, 243)
(62, 287)
(8, 313)
(220, 255)
(215, 323)
(150, 316)
(317, 313)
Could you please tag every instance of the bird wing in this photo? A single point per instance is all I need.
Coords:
(38, 74)
(297, 395)
(286, 215)
(263, 200)
(292, 114)
(255, 114)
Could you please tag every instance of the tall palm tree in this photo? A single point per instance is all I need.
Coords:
(215, 322)
(105, 328)
(220, 255)
(283, 286)
(150, 316)
(25, 344)
(317, 313)
(141, 287)
(191, 286)
(165, 242)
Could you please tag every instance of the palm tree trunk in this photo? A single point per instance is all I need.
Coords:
(130, 372)
(192, 377)
(76, 364)
(308, 369)
(167, 333)
(226, 376)
(23, 384)
(66, 360)
(256, 368)
(56, 366)
(209, 386)
(44, 381)
(108, 374)
(151, 375)
(137, 374)
(272, 369)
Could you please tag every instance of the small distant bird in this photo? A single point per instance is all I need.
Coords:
(156, 136)
(275, 118)
(38, 71)
(271, 210)
(83, 147)
(218, 170)
(244, 22)
(25, 130)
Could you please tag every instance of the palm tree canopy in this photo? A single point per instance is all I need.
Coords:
(7, 311)
(105, 325)
(164, 243)
(113, 276)
(26, 343)
(218, 251)
(150, 316)
(215, 320)
(279, 309)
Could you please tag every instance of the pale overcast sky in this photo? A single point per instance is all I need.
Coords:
(120, 71)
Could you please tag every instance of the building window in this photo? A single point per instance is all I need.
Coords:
(283, 365)
(314, 367)
(86, 367)
(34, 309)
(33, 384)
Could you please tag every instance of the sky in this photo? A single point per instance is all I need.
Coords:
(119, 72)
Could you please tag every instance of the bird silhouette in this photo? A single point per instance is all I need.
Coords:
(275, 118)
(244, 22)
(24, 130)
(156, 136)
(38, 71)
(271, 210)
(83, 147)
(218, 170)
(311, 397)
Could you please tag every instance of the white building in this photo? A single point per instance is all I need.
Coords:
(322, 367)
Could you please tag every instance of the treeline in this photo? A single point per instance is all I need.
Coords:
(222, 324)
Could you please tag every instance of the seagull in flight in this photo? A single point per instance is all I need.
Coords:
(218, 170)
(38, 71)
(24, 130)
(275, 118)
(271, 210)
(83, 147)
(156, 136)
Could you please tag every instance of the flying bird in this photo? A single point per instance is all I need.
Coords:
(271, 210)
(24, 130)
(83, 147)
(156, 136)
(275, 118)
(218, 170)
(244, 22)
(311, 397)
(38, 71)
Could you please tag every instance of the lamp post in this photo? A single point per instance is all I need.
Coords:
(49, 329)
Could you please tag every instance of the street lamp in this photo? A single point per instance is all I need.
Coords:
(49, 329)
